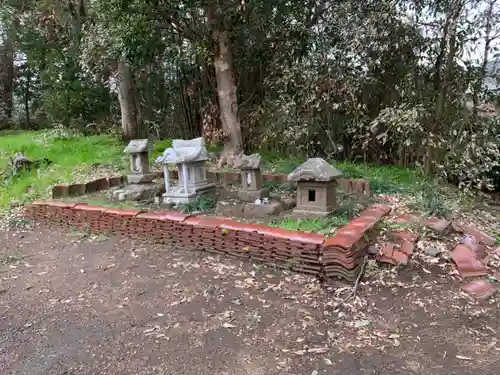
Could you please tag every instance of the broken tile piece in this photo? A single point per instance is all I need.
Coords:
(404, 235)
(407, 247)
(406, 219)
(467, 263)
(440, 226)
(457, 226)
(480, 235)
(390, 255)
(481, 289)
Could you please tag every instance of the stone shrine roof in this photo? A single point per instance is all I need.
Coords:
(253, 161)
(183, 151)
(137, 146)
(315, 169)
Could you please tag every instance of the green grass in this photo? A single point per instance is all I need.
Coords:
(325, 226)
(70, 157)
(386, 179)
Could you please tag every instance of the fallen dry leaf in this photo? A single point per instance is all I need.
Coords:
(318, 350)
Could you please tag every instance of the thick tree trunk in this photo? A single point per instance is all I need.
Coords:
(226, 89)
(6, 81)
(228, 101)
(127, 99)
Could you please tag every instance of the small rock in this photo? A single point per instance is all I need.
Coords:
(432, 251)
(372, 250)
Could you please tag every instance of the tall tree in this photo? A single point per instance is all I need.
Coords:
(128, 103)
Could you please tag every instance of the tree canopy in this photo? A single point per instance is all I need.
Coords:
(386, 81)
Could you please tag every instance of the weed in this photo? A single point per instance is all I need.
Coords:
(276, 187)
(432, 202)
(9, 259)
(203, 203)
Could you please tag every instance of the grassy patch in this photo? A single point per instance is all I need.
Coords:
(325, 226)
(385, 179)
(70, 157)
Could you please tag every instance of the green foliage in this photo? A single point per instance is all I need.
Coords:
(203, 203)
(324, 226)
(432, 202)
(70, 158)
(160, 146)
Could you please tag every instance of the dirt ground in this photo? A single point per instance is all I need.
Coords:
(77, 304)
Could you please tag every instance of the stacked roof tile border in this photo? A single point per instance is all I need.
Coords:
(308, 253)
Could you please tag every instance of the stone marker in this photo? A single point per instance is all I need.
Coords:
(190, 157)
(316, 188)
(251, 178)
(139, 162)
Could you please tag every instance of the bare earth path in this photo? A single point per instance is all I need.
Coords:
(71, 304)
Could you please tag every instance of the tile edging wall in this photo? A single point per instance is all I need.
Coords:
(297, 251)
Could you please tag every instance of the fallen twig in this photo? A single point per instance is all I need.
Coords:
(354, 290)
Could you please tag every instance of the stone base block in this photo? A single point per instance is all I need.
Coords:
(181, 198)
(141, 178)
(252, 195)
(302, 214)
(138, 192)
(230, 209)
(262, 210)
(289, 203)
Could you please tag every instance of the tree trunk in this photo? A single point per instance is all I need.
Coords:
(127, 99)
(226, 90)
(448, 44)
(27, 99)
(6, 82)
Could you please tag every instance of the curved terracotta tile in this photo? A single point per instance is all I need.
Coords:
(202, 222)
(151, 215)
(60, 204)
(123, 213)
(237, 226)
(467, 263)
(344, 241)
(481, 289)
(38, 203)
(404, 235)
(479, 235)
(86, 207)
(175, 216)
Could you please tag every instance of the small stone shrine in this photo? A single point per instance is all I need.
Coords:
(139, 162)
(190, 157)
(316, 187)
(251, 178)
